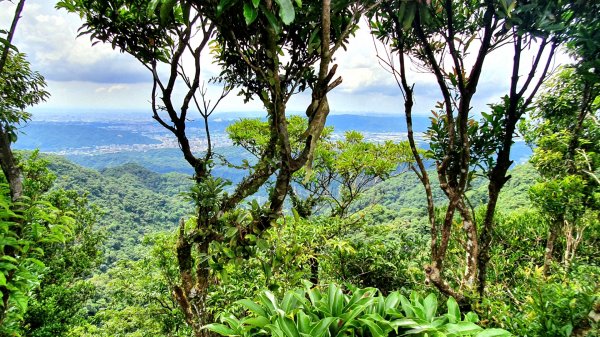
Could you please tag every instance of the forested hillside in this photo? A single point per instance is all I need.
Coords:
(138, 207)
(133, 202)
(383, 244)
(403, 196)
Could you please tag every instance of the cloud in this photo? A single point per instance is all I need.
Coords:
(116, 87)
(92, 96)
(48, 37)
(365, 77)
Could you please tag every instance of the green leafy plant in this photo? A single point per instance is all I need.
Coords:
(361, 312)
(25, 227)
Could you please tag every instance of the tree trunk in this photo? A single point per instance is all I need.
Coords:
(471, 249)
(552, 236)
(11, 169)
(11, 34)
(191, 294)
(314, 270)
(573, 236)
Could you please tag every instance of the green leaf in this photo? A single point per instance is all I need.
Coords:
(10, 45)
(471, 317)
(463, 328)
(392, 300)
(289, 301)
(322, 328)
(453, 310)
(296, 215)
(36, 262)
(286, 11)
(270, 300)
(407, 307)
(19, 300)
(259, 322)
(335, 300)
(375, 330)
(404, 323)
(401, 10)
(255, 3)
(409, 16)
(165, 10)
(272, 20)
(220, 329)
(255, 308)
(430, 306)
(304, 326)
(2, 279)
(223, 6)
(151, 7)
(250, 14)
(348, 318)
(494, 333)
(288, 327)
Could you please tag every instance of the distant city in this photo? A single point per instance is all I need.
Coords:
(96, 133)
(104, 133)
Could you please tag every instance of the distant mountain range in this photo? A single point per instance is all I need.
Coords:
(103, 143)
(53, 135)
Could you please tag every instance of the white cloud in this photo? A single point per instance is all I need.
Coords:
(112, 88)
(48, 37)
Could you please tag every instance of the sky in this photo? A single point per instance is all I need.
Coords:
(82, 77)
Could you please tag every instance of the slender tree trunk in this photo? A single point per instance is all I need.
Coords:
(11, 169)
(573, 236)
(314, 270)
(498, 179)
(191, 294)
(550, 243)
(471, 248)
(11, 34)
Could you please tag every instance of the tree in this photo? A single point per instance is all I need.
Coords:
(438, 36)
(20, 87)
(342, 170)
(136, 296)
(26, 222)
(58, 261)
(266, 49)
(564, 128)
(29, 226)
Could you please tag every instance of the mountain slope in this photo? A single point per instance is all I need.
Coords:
(134, 201)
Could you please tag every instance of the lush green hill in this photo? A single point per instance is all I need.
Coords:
(162, 161)
(404, 196)
(135, 201)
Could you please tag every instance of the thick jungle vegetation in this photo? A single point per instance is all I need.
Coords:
(317, 236)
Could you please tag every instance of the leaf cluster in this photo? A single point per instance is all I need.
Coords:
(132, 26)
(257, 43)
(361, 312)
(20, 87)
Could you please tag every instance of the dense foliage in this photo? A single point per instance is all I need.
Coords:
(381, 230)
